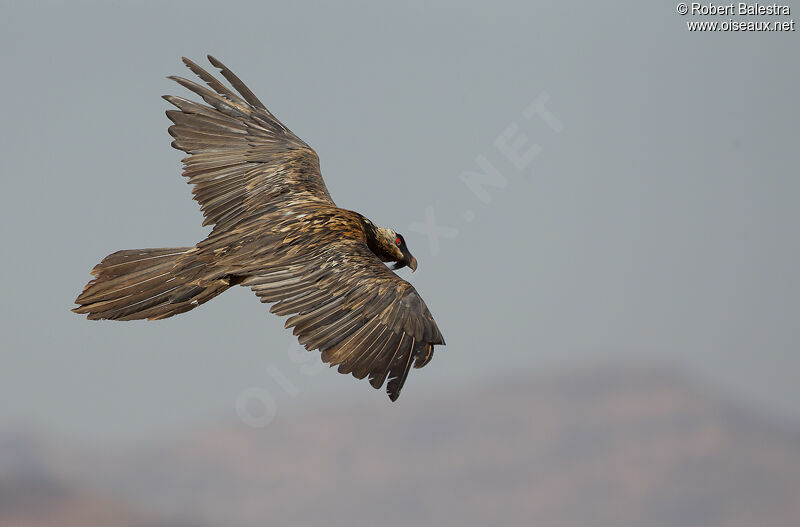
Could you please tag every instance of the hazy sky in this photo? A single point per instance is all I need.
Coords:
(655, 219)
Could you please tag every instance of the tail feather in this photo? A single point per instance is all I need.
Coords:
(140, 284)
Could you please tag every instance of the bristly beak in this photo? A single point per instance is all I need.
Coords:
(413, 264)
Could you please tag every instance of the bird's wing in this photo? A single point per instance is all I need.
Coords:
(349, 305)
(241, 158)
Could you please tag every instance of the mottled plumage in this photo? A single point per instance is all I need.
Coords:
(277, 231)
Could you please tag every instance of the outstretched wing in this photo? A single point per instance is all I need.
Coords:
(258, 183)
(240, 156)
(349, 305)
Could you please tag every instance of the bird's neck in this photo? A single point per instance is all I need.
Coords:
(380, 240)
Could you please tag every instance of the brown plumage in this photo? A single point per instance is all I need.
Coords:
(277, 231)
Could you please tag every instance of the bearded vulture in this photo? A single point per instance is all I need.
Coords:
(277, 231)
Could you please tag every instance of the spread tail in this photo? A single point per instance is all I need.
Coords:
(139, 284)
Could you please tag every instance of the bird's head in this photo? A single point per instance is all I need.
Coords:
(394, 249)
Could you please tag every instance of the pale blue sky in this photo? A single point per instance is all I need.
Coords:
(660, 224)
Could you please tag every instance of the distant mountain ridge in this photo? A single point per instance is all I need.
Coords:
(599, 447)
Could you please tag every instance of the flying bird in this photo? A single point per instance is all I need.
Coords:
(277, 231)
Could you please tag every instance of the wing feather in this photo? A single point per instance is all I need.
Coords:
(346, 303)
(236, 83)
(240, 156)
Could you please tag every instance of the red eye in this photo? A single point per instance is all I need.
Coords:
(398, 241)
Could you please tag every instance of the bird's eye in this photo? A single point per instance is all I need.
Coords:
(398, 241)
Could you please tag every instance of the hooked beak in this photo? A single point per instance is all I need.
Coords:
(412, 263)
